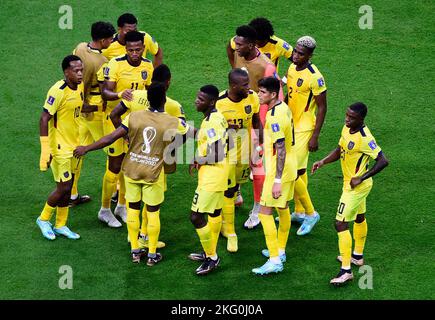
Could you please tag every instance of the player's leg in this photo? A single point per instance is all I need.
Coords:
(359, 236)
(228, 217)
(258, 176)
(311, 217)
(121, 209)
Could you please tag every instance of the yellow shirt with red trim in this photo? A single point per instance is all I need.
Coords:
(302, 86)
(126, 76)
(64, 104)
(279, 126)
(356, 150)
(212, 177)
(117, 49)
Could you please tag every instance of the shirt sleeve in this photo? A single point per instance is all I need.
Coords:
(284, 48)
(53, 101)
(101, 72)
(370, 147)
(150, 44)
(110, 73)
(233, 43)
(124, 123)
(183, 127)
(318, 85)
(277, 127)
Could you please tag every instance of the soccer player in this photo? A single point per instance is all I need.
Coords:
(149, 132)
(355, 148)
(306, 97)
(240, 107)
(127, 22)
(123, 75)
(91, 123)
(59, 131)
(281, 173)
(267, 42)
(212, 178)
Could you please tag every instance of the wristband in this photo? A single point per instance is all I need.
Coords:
(277, 180)
(120, 94)
(259, 148)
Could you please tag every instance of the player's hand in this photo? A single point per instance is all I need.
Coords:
(313, 144)
(276, 190)
(45, 157)
(355, 181)
(233, 126)
(316, 165)
(80, 151)
(127, 94)
(194, 165)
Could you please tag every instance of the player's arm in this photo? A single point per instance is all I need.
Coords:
(280, 162)
(158, 58)
(313, 144)
(257, 125)
(215, 154)
(230, 54)
(332, 157)
(103, 142)
(380, 164)
(109, 93)
(45, 157)
(116, 114)
(88, 108)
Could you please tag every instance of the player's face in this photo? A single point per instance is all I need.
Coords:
(353, 120)
(243, 46)
(241, 87)
(135, 50)
(265, 96)
(301, 55)
(202, 101)
(74, 73)
(126, 28)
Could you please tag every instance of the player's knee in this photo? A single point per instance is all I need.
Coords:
(341, 226)
(216, 213)
(360, 218)
(197, 219)
(134, 205)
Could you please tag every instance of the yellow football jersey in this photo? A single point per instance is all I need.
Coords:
(302, 86)
(278, 126)
(117, 49)
(274, 49)
(212, 177)
(64, 104)
(126, 76)
(356, 150)
(140, 102)
(239, 113)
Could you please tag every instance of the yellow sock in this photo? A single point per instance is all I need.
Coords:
(304, 197)
(121, 195)
(215, 227)
(269, 230)
(109, 187)
(345, 247)
(61, 216)
(284, 227)
(144, 224)
(205, 237)
(359, 235)
(133, 227)
(74, 189)
(153, 230)
(228, 213)
(47, 212)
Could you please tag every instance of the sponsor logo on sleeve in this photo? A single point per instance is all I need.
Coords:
(372, 145)
(50, 100)
(320, 82)
(275, 127)
(286, 46)
(211, 133)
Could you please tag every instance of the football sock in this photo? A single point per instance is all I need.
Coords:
(143, 227)
(359, 235)
(301, 192)
(153, 230)
(228, 212)
(215, 227)
(205, 238)
(257, 186)
(109, 187)
(270, 234)
(74, 189)
(284, 227)
(47, 212)
(133, 227)
(345, 248)
(121, 195)
(61, 216)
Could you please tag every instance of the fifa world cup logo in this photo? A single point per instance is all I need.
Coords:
(149, 133)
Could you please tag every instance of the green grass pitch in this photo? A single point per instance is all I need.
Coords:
(390, 68)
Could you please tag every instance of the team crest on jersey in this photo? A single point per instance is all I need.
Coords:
(66, 174)
(50, 100)
(286, 46)
(144, 75)
(248, 109)
(351, 145)
(320, 82)
(372, 145)
(106, 71)
(300, 81)
(211, 133)
(275, 127)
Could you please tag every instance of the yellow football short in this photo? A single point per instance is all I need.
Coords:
(352, 203)
(63, 168)
(151, 194)
(238, 174)
(207, 201)
(287, 191)
(90, 129)
(119, 146)
(301, 148)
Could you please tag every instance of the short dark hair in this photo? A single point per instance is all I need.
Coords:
(263, 27)
(359, 108)
(126, 18)
(102, 30)
(247, 32)
(134, 36)
(156, 95)
(161, 73)
(237, 72)
(271, 84)
(211, 90)
(66, 61)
